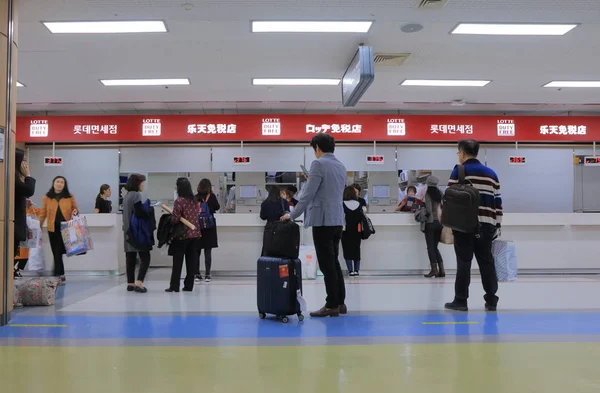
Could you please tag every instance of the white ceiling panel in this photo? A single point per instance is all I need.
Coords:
(211, 44)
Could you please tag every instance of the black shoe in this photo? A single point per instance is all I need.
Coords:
(18, 274)
(188, 289)
(171, 290)
(140, 289)
(489, 307)
(207, 278)
(454, 306)
(130, 288)
(441, 271)
(433, 272)
(198, 278)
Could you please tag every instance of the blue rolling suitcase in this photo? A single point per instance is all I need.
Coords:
(279, 280)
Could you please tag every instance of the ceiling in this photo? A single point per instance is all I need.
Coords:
(211, 44)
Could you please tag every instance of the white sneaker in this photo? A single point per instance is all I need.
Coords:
(198, 279)
(207, 279)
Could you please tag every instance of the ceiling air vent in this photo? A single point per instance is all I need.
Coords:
(432, 3)
(390, 59)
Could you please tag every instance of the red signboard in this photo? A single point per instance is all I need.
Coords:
(289, 128)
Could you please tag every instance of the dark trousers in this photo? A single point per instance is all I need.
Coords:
(433, 234)
(327, 246)
(58, 249)
(207, 260)
(131, 262)
(184, 249)
(480, 245)
(353, 266)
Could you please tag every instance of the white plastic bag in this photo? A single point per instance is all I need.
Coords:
(36, 261)
(34, 233)
(308, 256)
(505, 259)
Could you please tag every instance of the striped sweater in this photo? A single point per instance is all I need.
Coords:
(486, 181)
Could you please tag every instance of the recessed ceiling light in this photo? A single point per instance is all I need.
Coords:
(145, 82)
(106, 27)
(19, 84)
(294, 82)
(444, 83)
(311, 26)
(573, 84)
(513, 29)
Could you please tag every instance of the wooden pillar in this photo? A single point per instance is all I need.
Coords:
(8, 116)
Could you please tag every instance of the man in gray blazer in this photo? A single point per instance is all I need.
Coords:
(322, 201)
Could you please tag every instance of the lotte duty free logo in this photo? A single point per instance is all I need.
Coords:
(506, 128)
(151, 127)
(396, 127)
(271, 127)
(38, 129)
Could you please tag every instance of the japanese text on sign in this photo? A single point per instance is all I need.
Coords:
(563, 130)
(38, 129)
(212, 128)
(95, 129)
(452, 129)
(334, 128)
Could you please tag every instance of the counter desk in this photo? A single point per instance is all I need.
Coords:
(108, 255)
(546, 243)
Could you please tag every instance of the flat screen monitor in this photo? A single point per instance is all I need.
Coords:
(247, 192)
(381, 191)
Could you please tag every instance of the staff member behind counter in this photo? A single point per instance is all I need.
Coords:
(410, 201)
(103, 205)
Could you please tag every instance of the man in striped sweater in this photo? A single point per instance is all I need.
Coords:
(480, 244)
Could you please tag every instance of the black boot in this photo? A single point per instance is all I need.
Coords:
(433, 272)
(442, 272)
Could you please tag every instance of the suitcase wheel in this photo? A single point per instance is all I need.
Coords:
(300, 317)
(262, 315)
(285, 319)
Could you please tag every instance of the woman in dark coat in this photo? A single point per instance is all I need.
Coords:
(352, 236)
(24, 188)
(209, 239)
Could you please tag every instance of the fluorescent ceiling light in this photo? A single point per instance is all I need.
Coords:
(145, 82)
(107, 27)
(294, 82)
(513, 29)
(311, 27)
(444, 83)
(19, 84)
(573, 84)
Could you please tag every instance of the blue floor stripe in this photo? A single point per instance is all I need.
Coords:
(140, 327)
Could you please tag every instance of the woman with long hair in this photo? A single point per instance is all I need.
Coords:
(351, 236)
(433, 227)
(103, 204)
(187, 245)
(274, 206)
(24, 188)
(132, 204)
(58, 205)
(209, 239)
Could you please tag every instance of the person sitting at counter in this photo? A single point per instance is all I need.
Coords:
(103, 205)
(274, 206)
(288, 194)
(410, 201)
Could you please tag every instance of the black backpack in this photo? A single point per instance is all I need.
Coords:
(460, 209)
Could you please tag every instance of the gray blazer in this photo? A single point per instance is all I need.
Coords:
(129, 200)
(322, 198)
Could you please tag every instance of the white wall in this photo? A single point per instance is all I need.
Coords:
(355, 157)
(86, 169)
(165, 159)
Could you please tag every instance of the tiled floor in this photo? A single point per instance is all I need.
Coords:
(397, 337)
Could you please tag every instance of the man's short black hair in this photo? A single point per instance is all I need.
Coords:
(469, 146)
(325, 142)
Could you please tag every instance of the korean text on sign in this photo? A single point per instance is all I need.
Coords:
(452, 129)
(563, 130)
(212, 128)
(334, 128)
(106, 129)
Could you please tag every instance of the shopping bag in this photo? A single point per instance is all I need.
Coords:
(76, 236)
(308, 257)
(34, 233)
(36, 262)
(447, 236)
(505, 259)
